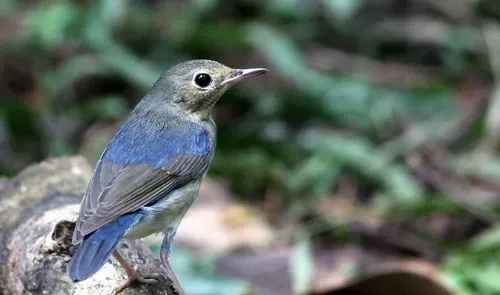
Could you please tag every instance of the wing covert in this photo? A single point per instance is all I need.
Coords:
(118, 188)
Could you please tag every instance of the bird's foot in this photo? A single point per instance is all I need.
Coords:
(134, 277)
(170, 273)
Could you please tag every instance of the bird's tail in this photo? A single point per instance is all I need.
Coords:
(96, 247)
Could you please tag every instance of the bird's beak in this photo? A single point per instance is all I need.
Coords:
(243, 74)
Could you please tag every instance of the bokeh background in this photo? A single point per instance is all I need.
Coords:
(370, 148)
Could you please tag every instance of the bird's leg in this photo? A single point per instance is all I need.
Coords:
(165, 258)
(132, 275)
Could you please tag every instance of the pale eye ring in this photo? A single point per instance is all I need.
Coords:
(202, 80)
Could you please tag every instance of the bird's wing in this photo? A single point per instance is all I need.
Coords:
(116, 189)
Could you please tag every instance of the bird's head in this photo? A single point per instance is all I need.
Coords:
(197, 85)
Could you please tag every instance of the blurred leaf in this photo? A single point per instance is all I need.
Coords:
(358, 154)
(289, 8)
(110, 11)
(187, 21)
(117, 57)
(78, 67)
(317, 174)
(126, 63)
(282, 53)
(204, 5)
(23, 126)
(248, 168)
(487, 240)
(302, 267)
(58, 147)
(457, 282)
(487, 277)
(342, 9)
(352, 102)
(485, 166)
(111, 107)
(432, 204)
(50, 24)
(222, 34)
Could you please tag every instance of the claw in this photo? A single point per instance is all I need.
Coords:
(133, 275)
(152, 278)
(171, 275)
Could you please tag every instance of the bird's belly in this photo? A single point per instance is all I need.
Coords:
(166, 213)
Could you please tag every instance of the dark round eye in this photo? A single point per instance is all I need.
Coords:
(202, 80)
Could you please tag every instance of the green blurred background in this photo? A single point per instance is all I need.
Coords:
(375, 133)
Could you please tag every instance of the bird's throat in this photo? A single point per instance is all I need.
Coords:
(202, 115)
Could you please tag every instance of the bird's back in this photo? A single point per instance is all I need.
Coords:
(146, 179)
(152, 154)
(145, 139)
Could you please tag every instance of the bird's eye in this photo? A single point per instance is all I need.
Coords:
(202, 80)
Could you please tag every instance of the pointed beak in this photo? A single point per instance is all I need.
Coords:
(243, 74)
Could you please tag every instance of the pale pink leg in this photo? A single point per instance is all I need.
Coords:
(133, 275)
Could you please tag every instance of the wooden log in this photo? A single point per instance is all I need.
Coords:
(37, 213)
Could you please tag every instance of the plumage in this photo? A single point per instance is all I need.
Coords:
(127, 177)
(95, 249)
(151, 170)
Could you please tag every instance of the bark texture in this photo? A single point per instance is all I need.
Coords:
(37, 213)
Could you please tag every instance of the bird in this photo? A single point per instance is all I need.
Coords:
(150, 172)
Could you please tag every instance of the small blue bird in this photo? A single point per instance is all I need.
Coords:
(150, 172)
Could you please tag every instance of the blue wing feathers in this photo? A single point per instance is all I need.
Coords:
(137, 143)
(142, 142)
(96, 247)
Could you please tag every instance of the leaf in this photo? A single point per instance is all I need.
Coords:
(117, 57)
(110, 11)
(108, 107)
(78, 67)
(302, 267)
(318, 173)
(360, 155)
(285, 8)
(342, 9)
(49, 24)
(485, 166)
(122, 60)
(487, 277)
(487, 240)
(352, 102)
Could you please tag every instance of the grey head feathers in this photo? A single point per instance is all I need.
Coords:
(195, 86)
(178, 86)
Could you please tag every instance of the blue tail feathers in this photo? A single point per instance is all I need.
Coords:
(96, 247)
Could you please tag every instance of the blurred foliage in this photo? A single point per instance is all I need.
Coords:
(387, 98)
